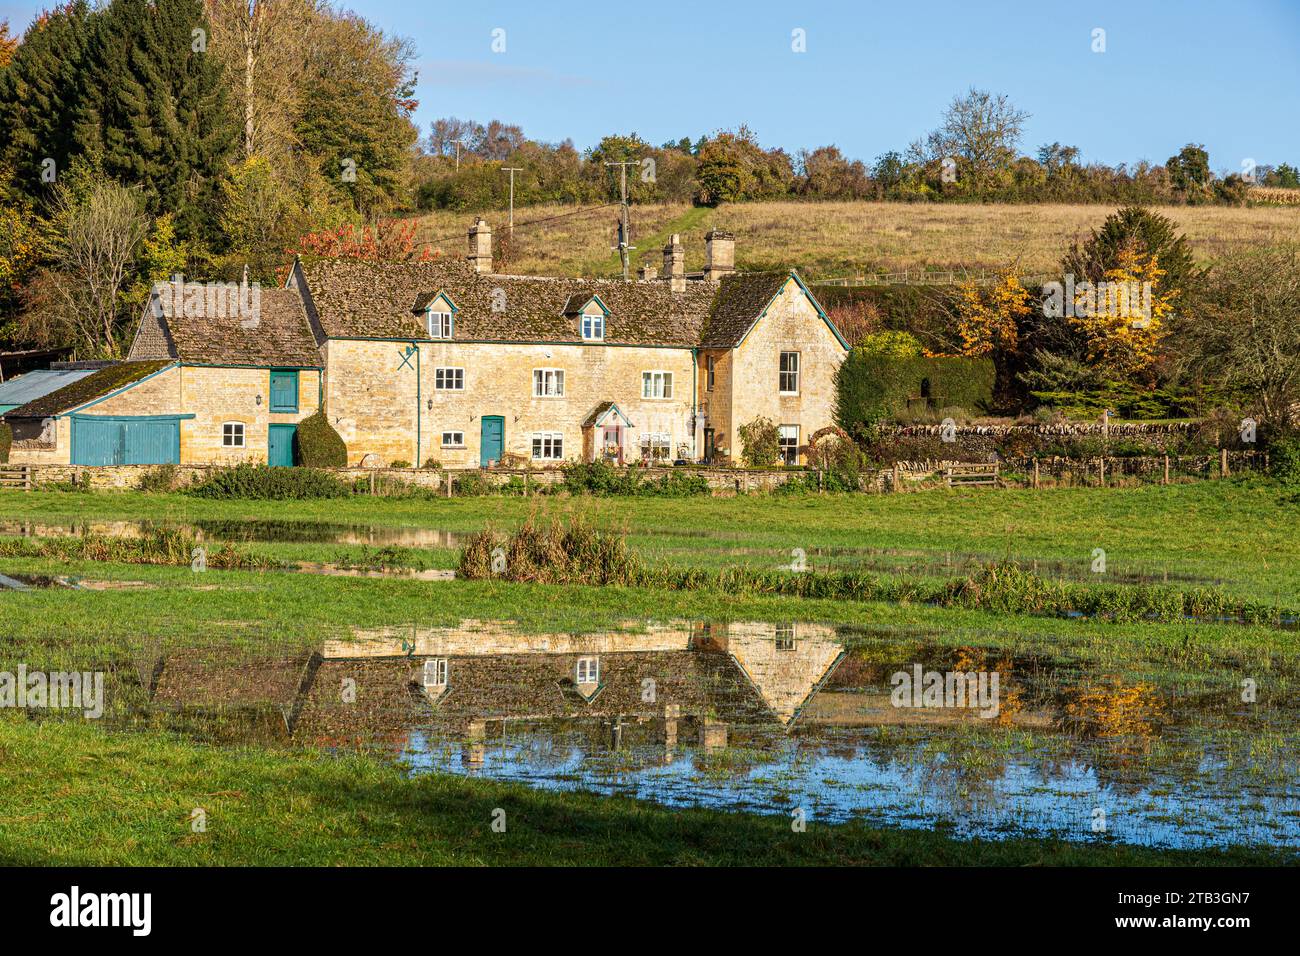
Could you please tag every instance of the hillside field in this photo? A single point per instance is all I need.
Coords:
(834, 239)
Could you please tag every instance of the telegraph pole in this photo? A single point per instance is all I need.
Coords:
(458, 144)
(512, 170)
(623, 237)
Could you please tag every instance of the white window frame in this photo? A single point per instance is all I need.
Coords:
(792, 459)
(593, 326)
(710, 370)
(541, 377)
(782, 372)
(591, 667)
(441, 669)
(446, 324)
(445, 377)
(649, 441)
(243, 435)
(453, 443)
(663, 378)
(785, 637)
(547, 446)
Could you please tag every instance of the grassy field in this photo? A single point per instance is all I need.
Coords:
(835, 239)
(125, 798)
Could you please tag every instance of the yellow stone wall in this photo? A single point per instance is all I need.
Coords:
(791, 324)
(214, 396)
(371, 397)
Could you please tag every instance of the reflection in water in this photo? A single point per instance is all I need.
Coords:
(762, 717)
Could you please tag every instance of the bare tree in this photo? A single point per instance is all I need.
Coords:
(981, 128)
(79, 300)
(259, 42)
(1245, 330)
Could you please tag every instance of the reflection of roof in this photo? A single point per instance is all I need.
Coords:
(33, 385)
(86, 389)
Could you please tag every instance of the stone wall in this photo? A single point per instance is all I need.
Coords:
(790, 325)
(372, 397)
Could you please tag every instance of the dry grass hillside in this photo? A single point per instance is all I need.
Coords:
(833, 239)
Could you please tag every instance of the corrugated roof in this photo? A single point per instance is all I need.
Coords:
(26, 388)
(278, 334)
(87, 389)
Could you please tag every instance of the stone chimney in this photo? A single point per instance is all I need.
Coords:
(675, 263)
(647, 272)
(719, 254)
(480, 246)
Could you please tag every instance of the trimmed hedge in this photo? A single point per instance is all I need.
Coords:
(872, 387)
(318, 445)
(6, 439)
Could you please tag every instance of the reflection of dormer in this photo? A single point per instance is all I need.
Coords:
(435, 674)
(586, 677)
(785, 637)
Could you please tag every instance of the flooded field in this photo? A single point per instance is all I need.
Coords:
(834, 723)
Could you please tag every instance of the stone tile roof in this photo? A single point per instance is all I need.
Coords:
(282, 336)
(742, 297)
(87, 389)
(352, 299)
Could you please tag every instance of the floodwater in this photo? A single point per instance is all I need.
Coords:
(768, 718)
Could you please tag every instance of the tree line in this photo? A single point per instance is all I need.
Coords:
(973, 155)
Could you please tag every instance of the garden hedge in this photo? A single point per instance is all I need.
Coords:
(6, 439)
(318, 445)
(871, 388)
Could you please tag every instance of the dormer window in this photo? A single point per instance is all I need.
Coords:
(435, 674)
(439, 324)
(590, 313)
(439, 314)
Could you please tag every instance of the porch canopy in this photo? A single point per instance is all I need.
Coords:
(604, 433)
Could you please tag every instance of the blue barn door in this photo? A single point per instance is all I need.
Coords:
(494, 439)
(279, 446)
(114, 440)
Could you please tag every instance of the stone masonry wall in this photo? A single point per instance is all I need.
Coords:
(791, 324)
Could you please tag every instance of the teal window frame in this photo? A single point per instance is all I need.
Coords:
(282, 374)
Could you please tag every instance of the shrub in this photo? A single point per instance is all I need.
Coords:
(247, 480)
(471, 484)
(6, 440)
(762, 443)
(1284, 460)
(318, 445)
(159, 480)
(433, 464)
(399, 463)
(601, 478)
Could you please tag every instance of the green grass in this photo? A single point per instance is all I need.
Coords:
(104, 799)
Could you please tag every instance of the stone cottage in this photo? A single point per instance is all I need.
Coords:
(449, 362)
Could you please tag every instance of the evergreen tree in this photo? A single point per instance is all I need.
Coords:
(39, 92)
(157, 115)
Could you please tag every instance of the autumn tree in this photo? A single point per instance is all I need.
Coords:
(8, 44)
(1123, 318)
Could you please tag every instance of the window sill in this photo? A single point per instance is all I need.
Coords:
(284, 411)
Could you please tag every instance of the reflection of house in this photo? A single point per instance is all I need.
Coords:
(384, 684)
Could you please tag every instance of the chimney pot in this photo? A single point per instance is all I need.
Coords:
(480, 246)
(719, 254)
(675, 263)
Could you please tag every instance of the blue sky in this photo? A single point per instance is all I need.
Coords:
(875, 75)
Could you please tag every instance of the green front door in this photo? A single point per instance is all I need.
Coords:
(279, 446)
(494, 440)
